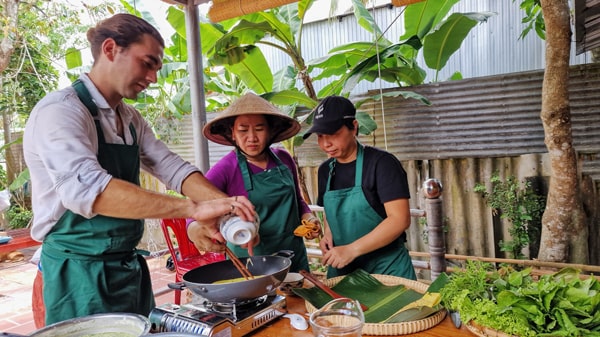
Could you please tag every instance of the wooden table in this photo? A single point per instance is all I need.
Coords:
(281, 327)
(20, 239)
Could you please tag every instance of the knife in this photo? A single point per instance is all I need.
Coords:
(455, 317)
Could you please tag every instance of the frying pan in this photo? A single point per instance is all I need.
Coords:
(270, 270)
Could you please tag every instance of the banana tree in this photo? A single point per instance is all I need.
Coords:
(428, 28)
(236, 64)
(234, 43)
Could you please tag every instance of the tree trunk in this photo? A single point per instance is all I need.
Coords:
(9, 18)
(564, 232)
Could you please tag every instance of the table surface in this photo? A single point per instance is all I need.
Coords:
(281, 327)
(20, 239)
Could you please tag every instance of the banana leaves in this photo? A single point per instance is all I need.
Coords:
(383, 301)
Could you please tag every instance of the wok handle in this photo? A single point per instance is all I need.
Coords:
(285, 253)
(177, 285)
(325, 288)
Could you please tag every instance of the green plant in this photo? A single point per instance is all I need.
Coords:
(534, 18)
(315, 265)
(518, 303)
(519, 204)
(18, 217)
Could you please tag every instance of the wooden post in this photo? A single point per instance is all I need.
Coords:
(432, 189)
(227, 9)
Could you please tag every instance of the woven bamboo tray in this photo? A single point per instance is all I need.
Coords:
(482, 331)
(390, 329)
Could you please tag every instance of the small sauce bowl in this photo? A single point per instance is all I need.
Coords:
(291, 281)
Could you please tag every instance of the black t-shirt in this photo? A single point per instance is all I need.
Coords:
(383, 180)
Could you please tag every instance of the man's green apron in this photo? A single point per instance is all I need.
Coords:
(91, 265)
(273, 194)
(350, 217)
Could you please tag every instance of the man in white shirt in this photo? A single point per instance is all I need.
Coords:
(84, 148)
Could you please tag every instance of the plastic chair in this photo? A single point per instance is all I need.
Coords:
(184, 254)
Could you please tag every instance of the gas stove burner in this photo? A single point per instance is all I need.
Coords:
(234, 307)
(217, 319)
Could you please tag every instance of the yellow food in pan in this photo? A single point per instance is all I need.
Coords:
(233, 280)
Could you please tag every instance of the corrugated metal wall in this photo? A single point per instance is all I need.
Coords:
(474, 127)
(587, 24)
(484, 124)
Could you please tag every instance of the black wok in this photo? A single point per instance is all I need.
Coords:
(270, 270)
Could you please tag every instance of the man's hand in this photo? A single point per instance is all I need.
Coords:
(212, 210)
(206, 237)
(339, 256)
(204, 232)
(326, 242)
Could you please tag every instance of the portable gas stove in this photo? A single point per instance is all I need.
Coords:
(217, 319)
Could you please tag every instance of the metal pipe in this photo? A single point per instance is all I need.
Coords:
(194, 49)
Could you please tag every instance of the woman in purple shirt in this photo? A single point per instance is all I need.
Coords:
(266, 175)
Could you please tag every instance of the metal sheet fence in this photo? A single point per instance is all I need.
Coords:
(474, 128)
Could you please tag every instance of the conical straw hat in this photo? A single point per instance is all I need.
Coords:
(219, 129)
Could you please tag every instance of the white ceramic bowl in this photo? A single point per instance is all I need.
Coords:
(291, 281)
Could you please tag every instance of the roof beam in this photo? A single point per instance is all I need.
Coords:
(228, 9)
(185, 2)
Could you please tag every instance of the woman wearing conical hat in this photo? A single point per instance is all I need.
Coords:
(266, 175)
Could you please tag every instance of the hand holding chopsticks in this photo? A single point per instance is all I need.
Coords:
(238, 264)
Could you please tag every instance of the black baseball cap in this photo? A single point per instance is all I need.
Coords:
(330, 115)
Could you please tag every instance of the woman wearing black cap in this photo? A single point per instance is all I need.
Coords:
(266, 175)
(365, 194)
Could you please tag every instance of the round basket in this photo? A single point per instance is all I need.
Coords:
(391, 329)
(482, 331)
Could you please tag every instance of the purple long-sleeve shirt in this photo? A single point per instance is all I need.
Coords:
(227, 176)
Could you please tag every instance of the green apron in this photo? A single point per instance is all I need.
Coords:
(273, 194)
(350, 217)
(91, 265)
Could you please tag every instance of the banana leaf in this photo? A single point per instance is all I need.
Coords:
(413, 314)
(381, 300)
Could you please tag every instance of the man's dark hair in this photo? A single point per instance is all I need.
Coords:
(124, 28)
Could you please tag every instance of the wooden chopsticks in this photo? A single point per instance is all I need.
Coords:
(238, 264)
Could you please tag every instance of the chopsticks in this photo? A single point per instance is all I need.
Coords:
(238, 264)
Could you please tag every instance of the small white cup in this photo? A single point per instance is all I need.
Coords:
(238, 231)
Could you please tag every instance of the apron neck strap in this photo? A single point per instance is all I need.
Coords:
(359, 164)
(86, 98)
(358, 169)
(243, 164)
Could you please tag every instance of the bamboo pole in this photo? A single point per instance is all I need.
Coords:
(532, 263)
(227, 9)
(400, 3)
